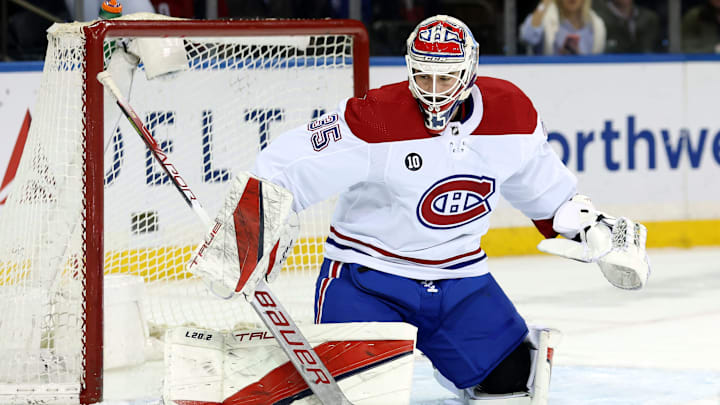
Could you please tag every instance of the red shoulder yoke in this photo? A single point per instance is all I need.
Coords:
(506, 109)
(387, 114)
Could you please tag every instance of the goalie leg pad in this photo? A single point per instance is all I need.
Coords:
(372, 362)
(469, 396)
(541, 343)
(194, 361)
(544, 342)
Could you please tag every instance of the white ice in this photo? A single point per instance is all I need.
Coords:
(657, 346)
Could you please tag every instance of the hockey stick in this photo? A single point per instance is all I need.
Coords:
(266, 305)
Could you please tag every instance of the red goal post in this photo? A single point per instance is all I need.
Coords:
(83, 264)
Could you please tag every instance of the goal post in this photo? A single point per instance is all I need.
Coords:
(88, 202)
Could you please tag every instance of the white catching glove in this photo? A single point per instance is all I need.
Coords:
(627, 265)
(617, 245)
(250, 238)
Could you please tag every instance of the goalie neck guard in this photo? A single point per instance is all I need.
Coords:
(441, 49)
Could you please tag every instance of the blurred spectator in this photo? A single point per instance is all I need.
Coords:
(193, 9)
(390, 20)
(282, 9)
(175, 8)
(393, 19)
(701, 28)
(483, 17)
(91, 8)
(341, 9)
(26, 36)
(260, 8)
(630, 28)
(563, 27)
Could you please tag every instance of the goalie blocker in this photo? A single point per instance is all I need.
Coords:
(250, 238)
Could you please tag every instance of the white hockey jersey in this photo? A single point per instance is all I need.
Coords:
(414, 204)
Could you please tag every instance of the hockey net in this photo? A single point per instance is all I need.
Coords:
(89, 202)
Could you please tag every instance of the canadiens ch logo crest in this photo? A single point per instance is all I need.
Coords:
(439, 39)
(455, 201)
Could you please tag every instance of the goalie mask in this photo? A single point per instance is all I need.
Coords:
(442, 59)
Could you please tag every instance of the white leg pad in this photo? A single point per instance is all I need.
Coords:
(194, 361)
(372, 363)
(468, 396)
(543, 342)
(518, 398)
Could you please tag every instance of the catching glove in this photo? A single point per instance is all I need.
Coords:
(617, 245)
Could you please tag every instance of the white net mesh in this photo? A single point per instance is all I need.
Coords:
(41, 254)
(212, 117)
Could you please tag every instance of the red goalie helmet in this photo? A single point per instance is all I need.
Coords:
(441, 49)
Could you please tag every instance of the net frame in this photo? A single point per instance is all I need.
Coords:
(95, 35)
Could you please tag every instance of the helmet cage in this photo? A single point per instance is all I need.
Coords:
(441, 47)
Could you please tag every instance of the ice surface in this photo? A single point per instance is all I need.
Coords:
(588, 385)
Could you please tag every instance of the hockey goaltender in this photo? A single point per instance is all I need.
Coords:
(418, 167)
